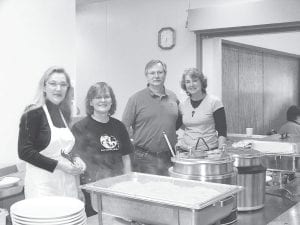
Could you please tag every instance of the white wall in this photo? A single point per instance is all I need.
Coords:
(244, 13)
(35, 34)
(212, 65)
(116, 38)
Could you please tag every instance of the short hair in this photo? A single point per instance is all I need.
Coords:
(292, 113)
(153, 62)
(93, 91)
(194, 73)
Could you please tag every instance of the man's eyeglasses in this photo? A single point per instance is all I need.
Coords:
(152, 73)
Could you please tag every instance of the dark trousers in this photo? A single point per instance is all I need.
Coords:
(88, 204)
(152, 163)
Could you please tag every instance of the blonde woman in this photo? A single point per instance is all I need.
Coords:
(45, 139)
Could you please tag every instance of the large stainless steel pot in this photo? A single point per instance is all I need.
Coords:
(229, 178)
(253, 180)
(203, 166)
(246, 157)
(252, 176)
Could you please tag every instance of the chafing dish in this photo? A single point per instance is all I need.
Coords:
(282, 162)
(161, 211)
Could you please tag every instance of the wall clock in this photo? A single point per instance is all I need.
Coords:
(166, 38)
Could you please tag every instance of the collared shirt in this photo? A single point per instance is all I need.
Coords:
(148, 115)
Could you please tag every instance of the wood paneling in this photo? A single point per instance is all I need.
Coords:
(257, 88)
(250, 90)
(281, 79)
(230, 97)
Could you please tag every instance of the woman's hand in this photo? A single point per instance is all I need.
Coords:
(126, 163)
(79, 163)
(81, 195)
(68, 167)
(222, 142)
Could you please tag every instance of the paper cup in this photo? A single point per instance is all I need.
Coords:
(249, 131)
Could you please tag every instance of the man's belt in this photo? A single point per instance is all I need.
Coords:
(147, 152)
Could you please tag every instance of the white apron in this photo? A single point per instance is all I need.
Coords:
(40, 182)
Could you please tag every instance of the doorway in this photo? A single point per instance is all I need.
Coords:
(258, 85)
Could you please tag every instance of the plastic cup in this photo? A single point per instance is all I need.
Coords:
(249, 131)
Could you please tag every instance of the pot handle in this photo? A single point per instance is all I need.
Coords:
(226, 201)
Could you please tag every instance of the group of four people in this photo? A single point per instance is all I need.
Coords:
(99, 145)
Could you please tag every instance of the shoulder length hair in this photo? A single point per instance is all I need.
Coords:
(40, 96)
(96, 89)
(194, 73)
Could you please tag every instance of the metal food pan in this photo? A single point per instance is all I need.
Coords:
(283, 162)
(164, 211)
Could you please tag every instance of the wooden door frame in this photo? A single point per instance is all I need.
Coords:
(238, 31)
(260, 49)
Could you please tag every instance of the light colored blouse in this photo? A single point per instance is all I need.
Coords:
(199, 122)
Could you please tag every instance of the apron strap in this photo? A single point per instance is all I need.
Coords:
(48, 116)
(63, 118)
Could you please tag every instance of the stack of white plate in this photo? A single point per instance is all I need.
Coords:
(48, 210)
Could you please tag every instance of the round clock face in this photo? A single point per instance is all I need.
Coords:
(166, 38)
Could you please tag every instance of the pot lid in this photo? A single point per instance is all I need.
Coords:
(206, 156)
(244, 153)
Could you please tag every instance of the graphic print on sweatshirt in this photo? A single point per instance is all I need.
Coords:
(109, 143)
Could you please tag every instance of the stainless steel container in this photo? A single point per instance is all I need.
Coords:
(161, 211)
(213, 166)
(252, 176)
(282, 162)
(203, 166)
(230, 178)
(246, 157)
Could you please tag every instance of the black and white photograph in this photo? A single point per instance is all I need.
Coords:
(150, 112)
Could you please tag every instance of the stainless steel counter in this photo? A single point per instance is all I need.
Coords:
(274, 206)
(290, 217)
